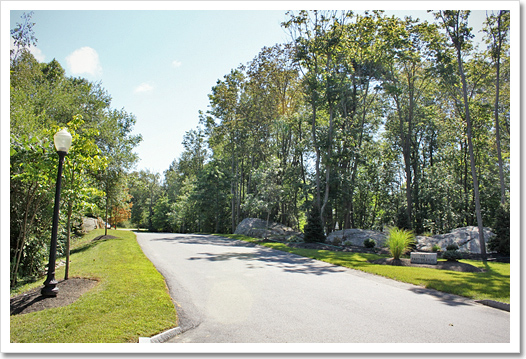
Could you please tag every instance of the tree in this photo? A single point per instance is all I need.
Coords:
(313, 230)
(23, 36)
(78, 189)
(497, 29)
(43, 99)
(455, 24)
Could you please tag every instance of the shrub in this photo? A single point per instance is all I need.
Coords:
(452, 254)
(347, 242)
(313, 229)
(399, 241)
(369, 243)
(436, 248)
(295, 239)
(501, 241)
(452, 247)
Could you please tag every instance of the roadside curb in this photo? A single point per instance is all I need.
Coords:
(494, 304)
(162, 337)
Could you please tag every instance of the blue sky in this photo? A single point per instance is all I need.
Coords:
(160, 65)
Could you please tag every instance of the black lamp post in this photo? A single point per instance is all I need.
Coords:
(62, 141)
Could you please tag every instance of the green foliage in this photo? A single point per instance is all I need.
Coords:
(436, 248)
(452, 247)
(501, 241)
(399, 241)
(313, 231)
(452, 253)
(369, 243)
(42, 100)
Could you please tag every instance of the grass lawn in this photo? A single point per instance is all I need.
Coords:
(493, 284)
(130, 300)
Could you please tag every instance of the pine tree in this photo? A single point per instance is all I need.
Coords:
(313, 229)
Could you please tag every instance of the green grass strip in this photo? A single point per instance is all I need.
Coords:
(130, 301)
(493, 284)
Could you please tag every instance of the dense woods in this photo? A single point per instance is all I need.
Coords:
(43, 100)
(365, 120)
(375, 120)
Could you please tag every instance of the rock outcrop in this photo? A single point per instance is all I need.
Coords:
(257, 228)
(467, 239)
(356, 237)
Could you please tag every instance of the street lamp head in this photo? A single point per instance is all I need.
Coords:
(62, 140)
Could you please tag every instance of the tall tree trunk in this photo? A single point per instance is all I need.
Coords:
(327, 167)
(497, 127)
(317, 150)
(472, 158)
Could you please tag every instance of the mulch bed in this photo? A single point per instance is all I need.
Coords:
(68, 292)
(445, 265)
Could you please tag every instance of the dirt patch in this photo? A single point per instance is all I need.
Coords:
(68, 292)
(444, 265)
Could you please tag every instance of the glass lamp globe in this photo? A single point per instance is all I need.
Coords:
(62, 140)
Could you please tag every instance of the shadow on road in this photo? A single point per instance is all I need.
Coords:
(205, 239)
(269, 257)
(446, 298)
(260, 256)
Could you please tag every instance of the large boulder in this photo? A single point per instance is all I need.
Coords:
(257, 228)
(90, 223)
(467, 239)
(356, 237)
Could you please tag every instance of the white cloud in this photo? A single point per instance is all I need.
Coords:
(84, 61)
(144, 87)
(37, 53)
(176, 63)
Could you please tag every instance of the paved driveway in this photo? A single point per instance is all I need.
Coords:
(229, 291)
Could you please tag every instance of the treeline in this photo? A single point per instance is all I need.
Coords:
(374, 120)
(42, 101)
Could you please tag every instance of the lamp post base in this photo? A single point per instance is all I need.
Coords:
(50, 289)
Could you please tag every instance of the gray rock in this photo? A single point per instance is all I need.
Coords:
(467, 239)
(356, 237)
(257, 228)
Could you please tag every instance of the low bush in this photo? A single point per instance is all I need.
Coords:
(452, 254)
(436, 248)
(369, 243)
(399, 241)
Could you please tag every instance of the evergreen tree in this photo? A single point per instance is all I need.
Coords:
(313, 229)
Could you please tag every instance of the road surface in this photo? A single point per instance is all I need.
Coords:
(229, 291)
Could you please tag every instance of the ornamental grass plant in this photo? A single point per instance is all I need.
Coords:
(399, 241)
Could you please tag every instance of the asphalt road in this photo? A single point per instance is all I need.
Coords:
(229, 291)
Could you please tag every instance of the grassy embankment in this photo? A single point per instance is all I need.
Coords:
(130, 300)
(493, 284)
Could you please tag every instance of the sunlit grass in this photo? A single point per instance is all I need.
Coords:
(130, 300)
(493, 284)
